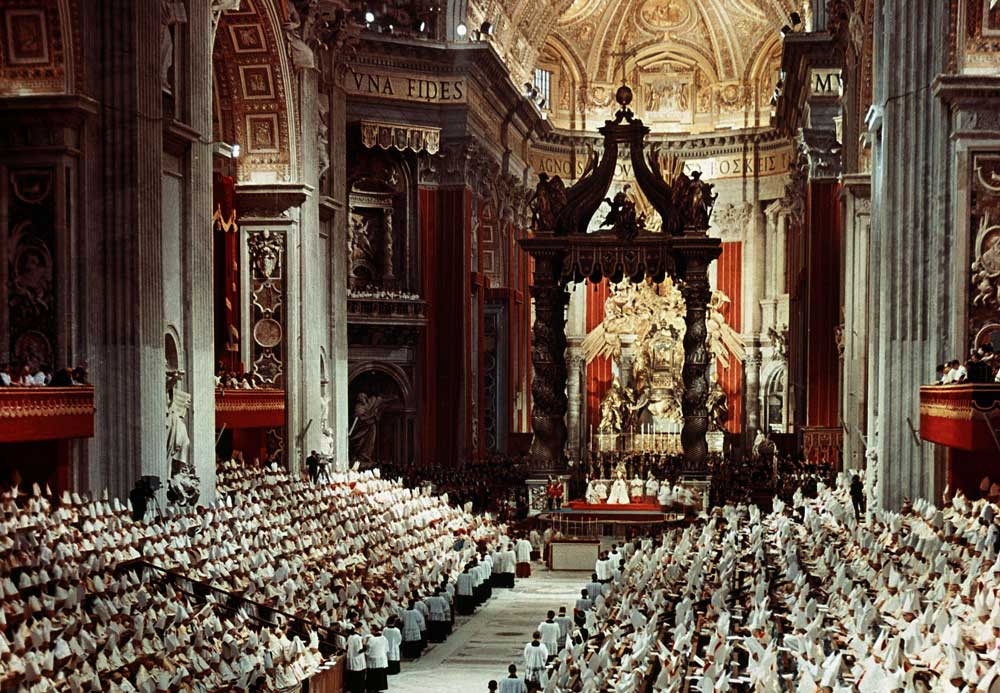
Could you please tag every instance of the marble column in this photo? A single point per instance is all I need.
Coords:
(752, 397)
(122, 245)
(338, 345)
(199, 291)
(857, 222)
(911, 241)
(574, 402)
(303, 409)
(576, 330)
(755, 262)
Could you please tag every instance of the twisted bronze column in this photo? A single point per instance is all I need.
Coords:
(697, 359)
(548, 360)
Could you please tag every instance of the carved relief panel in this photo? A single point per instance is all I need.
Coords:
(371, 244)
(984, 303)
(267, 307)
(30, 249)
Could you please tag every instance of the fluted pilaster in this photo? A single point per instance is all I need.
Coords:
(122, 200)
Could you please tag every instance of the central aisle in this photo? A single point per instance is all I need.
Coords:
(484, 644)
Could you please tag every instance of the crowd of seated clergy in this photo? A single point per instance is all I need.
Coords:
(809, 597)
(488, 483)
(285, 572)
(23, 375)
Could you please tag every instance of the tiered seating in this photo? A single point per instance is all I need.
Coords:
(804, 596)
(254, 590)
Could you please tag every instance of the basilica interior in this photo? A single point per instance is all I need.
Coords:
(541, 275)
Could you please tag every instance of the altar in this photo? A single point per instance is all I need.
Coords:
(651, 495)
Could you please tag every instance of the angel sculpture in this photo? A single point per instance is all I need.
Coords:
(723, 340)
(546, 202)
(701, 200)
(622, 218)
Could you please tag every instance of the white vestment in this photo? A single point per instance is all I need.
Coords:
(619, 493)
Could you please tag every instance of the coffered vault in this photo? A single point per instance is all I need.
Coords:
(695, 65)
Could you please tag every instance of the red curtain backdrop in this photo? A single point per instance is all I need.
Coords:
(599, 370)
(822, 303)
(444, 228)
(729, 280)
(520, 279)
(227, 272)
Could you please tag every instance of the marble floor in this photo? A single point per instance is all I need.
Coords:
(483, 644)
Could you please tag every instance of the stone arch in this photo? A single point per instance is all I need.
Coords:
(394, 372)
(173, 351)
(775, 396)
(396, 429)
(253, 89)
(457, 13)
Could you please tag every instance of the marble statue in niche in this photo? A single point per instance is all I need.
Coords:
(171, 14)
(183, 488)
(368, 411)
(361, 249)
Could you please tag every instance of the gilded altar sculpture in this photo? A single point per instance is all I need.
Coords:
(654, 315)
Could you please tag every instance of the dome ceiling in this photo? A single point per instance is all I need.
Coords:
(695, 65)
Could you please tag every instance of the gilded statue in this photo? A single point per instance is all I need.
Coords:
(613, 408)
(654, 315)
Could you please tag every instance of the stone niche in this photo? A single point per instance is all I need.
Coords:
(378, 234)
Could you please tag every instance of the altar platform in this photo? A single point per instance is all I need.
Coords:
(581, 510)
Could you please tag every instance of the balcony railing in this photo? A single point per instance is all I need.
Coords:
(386, 311)
(249, 408)
(965, 416)
(46, 413)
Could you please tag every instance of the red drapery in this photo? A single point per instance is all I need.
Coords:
(729, 280)
(227, 273)
(444, 228)
(599, 370)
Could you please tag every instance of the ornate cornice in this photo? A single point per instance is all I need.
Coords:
(270, 199)
(38, 122)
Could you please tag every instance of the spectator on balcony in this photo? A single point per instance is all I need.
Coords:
(42, 376)
(62, 378)
(988, 357)
(24, 377)
(5, 375)
(955, 373)
(978, 370)
(80, 375)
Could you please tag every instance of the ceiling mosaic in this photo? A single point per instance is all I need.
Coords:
(695, 65)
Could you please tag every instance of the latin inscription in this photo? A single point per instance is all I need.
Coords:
(405, 87)
(712, 169)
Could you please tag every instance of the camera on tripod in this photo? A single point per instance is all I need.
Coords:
(149, 484)
(144, 491)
